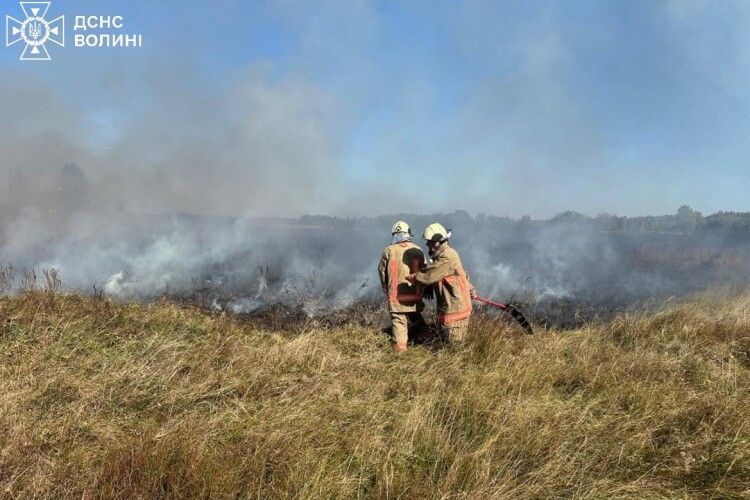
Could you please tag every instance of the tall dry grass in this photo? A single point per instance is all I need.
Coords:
(149, 401)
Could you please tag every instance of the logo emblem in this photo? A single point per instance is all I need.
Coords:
(35, 31)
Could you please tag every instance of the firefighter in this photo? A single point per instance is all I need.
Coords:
(400, 259)
(452, 287)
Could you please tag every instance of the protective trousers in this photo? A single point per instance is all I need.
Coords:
(402, 323)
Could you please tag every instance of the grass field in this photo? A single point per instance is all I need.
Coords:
(101, 399)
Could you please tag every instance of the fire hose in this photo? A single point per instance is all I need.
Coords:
(510, 309)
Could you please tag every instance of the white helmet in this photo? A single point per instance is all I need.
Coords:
(400, 232)
(436, 232)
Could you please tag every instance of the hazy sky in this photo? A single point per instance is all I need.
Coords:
(355, 107)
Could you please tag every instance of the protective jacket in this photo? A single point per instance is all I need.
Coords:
(452, 286)
(398, 262)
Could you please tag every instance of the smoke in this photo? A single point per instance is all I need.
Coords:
(253, 147)
(100, 171)
(118, 220)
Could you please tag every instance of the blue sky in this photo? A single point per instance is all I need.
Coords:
(501, 107)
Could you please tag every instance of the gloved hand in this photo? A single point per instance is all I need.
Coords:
(429, 292)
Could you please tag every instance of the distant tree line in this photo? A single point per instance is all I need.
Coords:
(71, 193)
(684, 221)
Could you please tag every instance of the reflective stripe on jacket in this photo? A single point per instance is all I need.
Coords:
(398, 262)
(452, 284)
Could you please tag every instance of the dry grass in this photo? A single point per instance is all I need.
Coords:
(147, 401)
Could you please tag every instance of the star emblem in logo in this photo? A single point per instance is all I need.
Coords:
(35, 31)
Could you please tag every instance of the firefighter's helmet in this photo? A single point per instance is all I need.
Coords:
(400, 227)
(436, 232)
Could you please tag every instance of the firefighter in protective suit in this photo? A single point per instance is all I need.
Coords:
(400, 259)
(452, 287)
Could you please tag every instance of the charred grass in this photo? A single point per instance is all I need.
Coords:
(151, 401)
